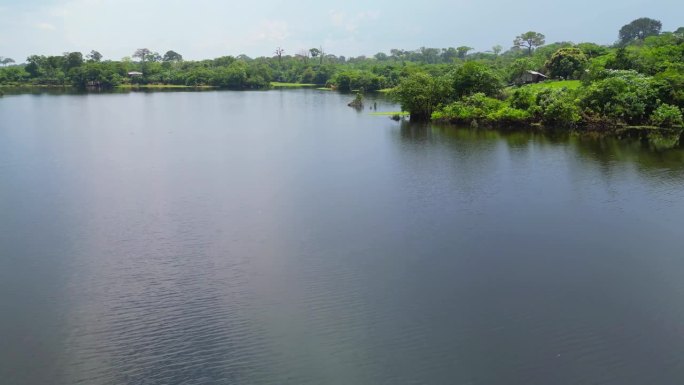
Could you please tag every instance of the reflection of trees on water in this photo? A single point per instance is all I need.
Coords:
(649, 152)
(656, 151)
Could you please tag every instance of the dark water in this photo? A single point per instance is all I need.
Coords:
(281, 237)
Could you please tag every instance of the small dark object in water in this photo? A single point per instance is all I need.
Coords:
(395, 117)
(357, 102)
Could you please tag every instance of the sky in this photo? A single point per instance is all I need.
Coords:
(201, 29)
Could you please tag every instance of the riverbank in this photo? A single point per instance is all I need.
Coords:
(160, 86)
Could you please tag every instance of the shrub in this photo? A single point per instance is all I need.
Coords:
(523, 98)
(666, 115)
(557, 107)
(470, 108)
(479, 107)
(510, 116)
(623, 96)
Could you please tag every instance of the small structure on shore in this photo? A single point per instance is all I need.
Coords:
(134, 74)
(530, 77)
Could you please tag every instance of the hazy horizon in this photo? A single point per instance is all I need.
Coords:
(210, 28)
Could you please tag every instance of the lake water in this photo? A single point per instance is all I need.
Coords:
(281, 237)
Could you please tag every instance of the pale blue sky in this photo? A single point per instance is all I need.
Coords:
(209, 28)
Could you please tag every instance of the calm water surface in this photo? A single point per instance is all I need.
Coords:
(281, 237)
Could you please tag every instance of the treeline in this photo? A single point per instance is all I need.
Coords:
(146, 67)
(638, 80)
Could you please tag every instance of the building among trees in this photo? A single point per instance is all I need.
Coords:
(529, 77)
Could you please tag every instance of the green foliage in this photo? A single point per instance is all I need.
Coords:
(473, 77)
(567, 63)
(172, 56)
(509, 116)
(356, 80)
(524, 98)
(94, 56)
(666, 115)
(234, 76)
(639, 29)
(623, 96)
(529, 40)
(555, 84)
(673, 76)
(592, 50)
(421, 93)
(557, 107)
(96, 75)
(13, 75)
(483, 109)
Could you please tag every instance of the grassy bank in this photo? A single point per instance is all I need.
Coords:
(292, 85)
(556, 84)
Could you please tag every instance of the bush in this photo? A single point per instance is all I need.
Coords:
(667, 115)
(470, 108)
(523, 98)
(623, 96)
(510, 116)
(479, 107)
(557, 107)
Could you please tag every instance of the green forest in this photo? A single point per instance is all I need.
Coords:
(637, 81)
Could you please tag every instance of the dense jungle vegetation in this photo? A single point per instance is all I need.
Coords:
(639, 80)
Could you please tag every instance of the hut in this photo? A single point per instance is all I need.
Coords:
(531, 77)
(134, 74)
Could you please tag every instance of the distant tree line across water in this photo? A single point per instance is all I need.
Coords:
(639, 80)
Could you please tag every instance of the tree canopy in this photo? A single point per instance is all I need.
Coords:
(639, 29)
(172, 56)
(529, 40)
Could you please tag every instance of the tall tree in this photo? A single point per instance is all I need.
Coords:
(5, 61)
(429, 55)
(639, 29)
(529, 40)
(463, 51)
(321, 55)
(172, 56)
(497, 50)
(279, 52)
(317, 53)
(397, 53)
(72, 60)
(94, 56)
(142, 54)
